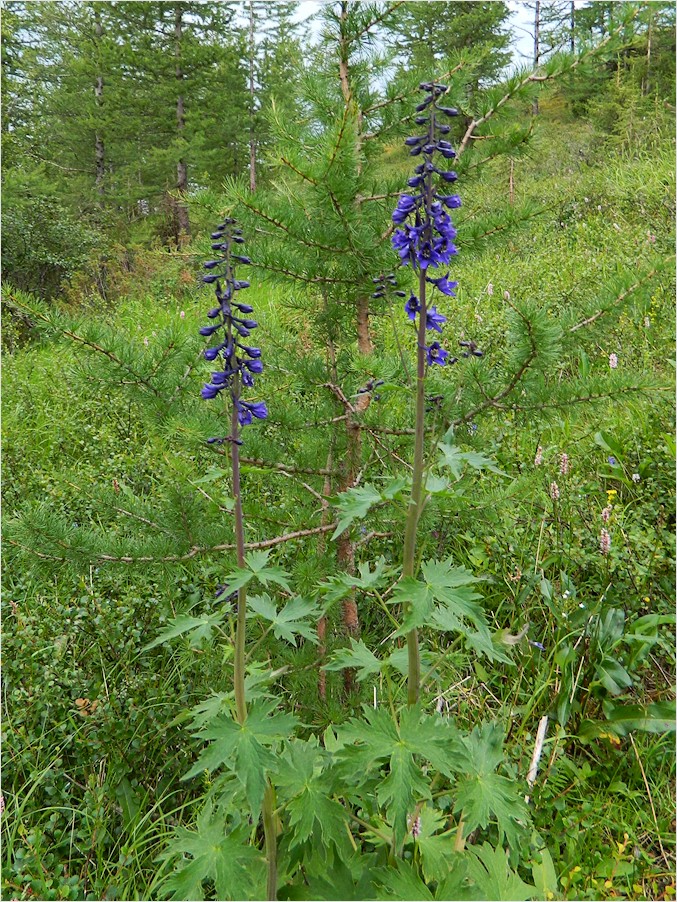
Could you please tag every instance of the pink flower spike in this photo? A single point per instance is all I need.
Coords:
(564, 464)
(490, 289)
(538, 460)
(554, 491)
(613, 361)
(606, 514)
(182, 314)
(604, 541)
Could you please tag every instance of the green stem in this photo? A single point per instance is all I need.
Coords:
(415, 501)
(239, 663)
(270, 833)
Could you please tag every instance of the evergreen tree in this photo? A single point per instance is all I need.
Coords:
(432, 36)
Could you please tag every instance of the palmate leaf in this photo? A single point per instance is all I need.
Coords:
(256, 568)
(443, 583)
(436, 849)
(493, 877)
(257, 561)
(241, 748)
(358, 656)
(402, 788)
(378, 740)
(482, 794)
(348, 878)
(354, 504)
(288, 622)
(312, 812)
(198, 628)
(455, 459)
(402, 882)
(417, 603)
(226, 858)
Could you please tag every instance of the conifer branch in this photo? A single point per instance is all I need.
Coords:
(137, 379)
(336, 390)
(282, 227)
(284, 468)
(304, 175)
(565, 402)
(532, 78)
(195, 551)
(314, 280)
(339, 139)
(620, 297)
(141, 519)
(381, 17)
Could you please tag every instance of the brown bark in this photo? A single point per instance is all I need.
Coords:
(183, 220)
(364, 342)
(346, 547)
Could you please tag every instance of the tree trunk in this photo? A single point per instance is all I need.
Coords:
(345, 546)
(99, 150)
(183, 221)
(252, 140)
(364, 342)
(572, 27)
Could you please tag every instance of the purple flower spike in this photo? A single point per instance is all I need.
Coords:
(240, 362)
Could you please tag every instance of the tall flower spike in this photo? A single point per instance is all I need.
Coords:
(425, 239)
(240, 362)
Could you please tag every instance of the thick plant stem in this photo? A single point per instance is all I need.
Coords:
(415, 501)
(239, 663)
(270, 832)
(268, 812)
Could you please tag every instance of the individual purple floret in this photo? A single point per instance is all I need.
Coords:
(240, 362)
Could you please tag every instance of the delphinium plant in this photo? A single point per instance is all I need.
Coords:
(238, 363)
(425, 240)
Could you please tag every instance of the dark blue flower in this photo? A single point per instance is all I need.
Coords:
(434, 320)
(444, 285)
(412, 307)
(435, 353)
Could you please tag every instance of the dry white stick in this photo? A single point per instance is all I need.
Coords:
(538, 750)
